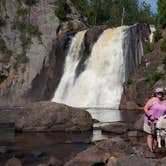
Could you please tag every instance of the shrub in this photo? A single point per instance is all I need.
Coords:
(22, 11)
(25, 40)
(129, 81)
(25, 27)
(22, 57)
(164, 60)
(70, 25)
(163, 45)
(61, 11)
(149, 47)
(157, 35)
(154, 76)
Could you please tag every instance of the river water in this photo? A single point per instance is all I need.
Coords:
(35, 148)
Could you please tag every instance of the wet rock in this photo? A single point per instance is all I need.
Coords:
(139, 123)
(136, 161)
(13, 162)
(89, 157)
(135, 134)
(54, 162)
(112, 161)
(50, 116)
(101, 152)
(115, 127)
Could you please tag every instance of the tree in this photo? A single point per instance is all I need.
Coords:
(162, 13)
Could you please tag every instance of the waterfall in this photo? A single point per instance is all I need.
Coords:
(101, 83)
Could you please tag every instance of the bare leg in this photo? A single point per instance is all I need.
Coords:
(154, 144)
(150, 142)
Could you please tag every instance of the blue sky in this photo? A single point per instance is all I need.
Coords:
(153, 4)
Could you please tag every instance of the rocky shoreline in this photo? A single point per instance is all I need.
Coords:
(124, 143)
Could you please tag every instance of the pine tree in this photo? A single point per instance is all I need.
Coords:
(162, 13)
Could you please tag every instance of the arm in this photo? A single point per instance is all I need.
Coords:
(148, 106)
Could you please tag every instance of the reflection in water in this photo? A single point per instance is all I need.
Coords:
(105, 115)
(60, 144)
(111, 115)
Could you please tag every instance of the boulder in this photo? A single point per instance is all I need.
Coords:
(134, 160)
(115, 127)
(13, 162)
(50, 116)
(101, 152)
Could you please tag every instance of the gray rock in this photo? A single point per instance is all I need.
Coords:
(136, 161)
(101, 153)
(49, 116)
(115, 127)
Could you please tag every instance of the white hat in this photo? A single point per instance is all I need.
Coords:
(157, 90)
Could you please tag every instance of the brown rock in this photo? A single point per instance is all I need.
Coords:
(115, 127)
(50, 116)
(13, 162)
(54, 162)
(101, 153)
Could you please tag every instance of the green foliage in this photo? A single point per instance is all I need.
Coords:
(6, 52)
(3, 47)
(70, 25)
(83, 6)
(163, 45)
(22, 11)
(145, 15)
(162, 13)
(22, 57)
(110, 12)
(130, 81)
(25, 40)
(164, 60)
(61, 11)
(157, 35)
(149, 47)
(25, 27)
(154, 77)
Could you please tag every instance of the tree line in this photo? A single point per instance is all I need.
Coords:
(115, 12)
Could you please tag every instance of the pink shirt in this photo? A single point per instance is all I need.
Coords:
(156, 111)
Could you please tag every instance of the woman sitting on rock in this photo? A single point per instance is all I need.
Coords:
(154, 108)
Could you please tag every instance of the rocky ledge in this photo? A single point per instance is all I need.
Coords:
(48, 116)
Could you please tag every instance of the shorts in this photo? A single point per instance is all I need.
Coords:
(147, 128)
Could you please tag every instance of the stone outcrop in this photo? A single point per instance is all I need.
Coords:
(101, 152)
(46, 116)
(35, 42)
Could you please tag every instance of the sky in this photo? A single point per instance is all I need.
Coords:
(153, 4)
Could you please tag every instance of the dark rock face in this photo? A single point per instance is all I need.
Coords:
(45, 83)
(46, 116)
(133, 46)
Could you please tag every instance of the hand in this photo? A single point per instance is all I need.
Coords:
(151, 118)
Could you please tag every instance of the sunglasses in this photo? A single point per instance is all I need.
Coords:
(160, 93)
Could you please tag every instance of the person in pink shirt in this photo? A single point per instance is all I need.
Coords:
(154, 108)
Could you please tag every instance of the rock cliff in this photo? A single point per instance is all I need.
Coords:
(33, 43)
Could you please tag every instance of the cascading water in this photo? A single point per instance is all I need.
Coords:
(101, 83)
